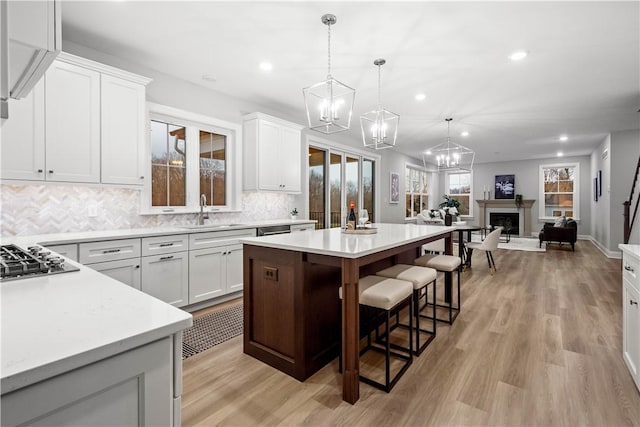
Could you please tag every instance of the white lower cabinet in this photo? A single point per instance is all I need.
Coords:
(166, 277)
(129, 389)
(126, 271)
(631, 330)
(214, 272)
(631, 310)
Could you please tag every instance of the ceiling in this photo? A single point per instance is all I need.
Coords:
(580, 79)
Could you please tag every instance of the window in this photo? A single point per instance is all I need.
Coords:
(416, 190)
(168, 164)
(191, 155)
(458, 187)
(559, 190)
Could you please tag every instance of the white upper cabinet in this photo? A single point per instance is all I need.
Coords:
(23, 138)
(84, 122)
(35, 37)
(123, 125)
(272, 149)
(72, 125)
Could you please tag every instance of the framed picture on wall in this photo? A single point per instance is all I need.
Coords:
(600, 183)
(394, 188)
(595, 189)
(505, 186)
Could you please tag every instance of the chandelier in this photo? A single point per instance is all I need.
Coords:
(449, 155)
(329, 103)
(379, 127)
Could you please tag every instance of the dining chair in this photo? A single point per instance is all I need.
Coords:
(489, 244)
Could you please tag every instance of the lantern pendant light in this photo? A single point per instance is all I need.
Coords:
(379, 127)
(449, 155)
(329, 103)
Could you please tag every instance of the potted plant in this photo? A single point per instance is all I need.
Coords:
(518, 200)
(451, 207)
(294, 213)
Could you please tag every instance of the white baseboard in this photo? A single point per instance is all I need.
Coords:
(605, 251)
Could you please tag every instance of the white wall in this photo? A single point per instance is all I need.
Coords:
(601, 212)
(624, 154)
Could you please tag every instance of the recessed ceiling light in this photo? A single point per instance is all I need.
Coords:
(266, 66)
(428, 152)
(519, 55)
(421, 97)
(560, 154)
(209, 77)
(465, 133)
(564, 138)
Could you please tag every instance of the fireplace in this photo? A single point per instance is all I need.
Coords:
(508, 220)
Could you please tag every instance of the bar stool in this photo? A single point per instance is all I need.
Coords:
(446, 264)
(387, 295)
(421, 277)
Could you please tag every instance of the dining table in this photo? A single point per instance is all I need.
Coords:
(462, 251)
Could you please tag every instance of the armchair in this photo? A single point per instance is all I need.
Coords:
(561, 232)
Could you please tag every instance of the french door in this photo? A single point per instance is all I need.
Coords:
(337, 178)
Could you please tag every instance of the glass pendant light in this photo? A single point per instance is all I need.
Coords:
(379, 127)
(329, 103)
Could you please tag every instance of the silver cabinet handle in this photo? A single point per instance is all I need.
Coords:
(164, 258)
(111, 251)
(142, 177)
(40, 171)
(165, 244)
(629, 268)
(50, 170)
(137, 266)
(632, 302)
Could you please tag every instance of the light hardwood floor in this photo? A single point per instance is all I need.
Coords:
(538, 343)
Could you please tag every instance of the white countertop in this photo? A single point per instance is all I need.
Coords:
(633, 250)
(336, 243)
(52, 324)
(92, 236)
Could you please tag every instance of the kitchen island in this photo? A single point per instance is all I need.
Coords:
(292, 312)
(80, 348)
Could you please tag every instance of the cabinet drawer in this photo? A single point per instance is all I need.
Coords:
(302, 227)
(69, 251)
(110, 250)
(212, 239)
(165, 244)
(126, 271)
(631, 271)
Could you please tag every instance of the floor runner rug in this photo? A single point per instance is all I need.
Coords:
(212, 329)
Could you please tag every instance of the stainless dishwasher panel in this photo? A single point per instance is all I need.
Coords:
(274, 229)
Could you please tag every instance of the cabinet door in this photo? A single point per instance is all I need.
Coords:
(269, 161)
(23, 137)
(128, 389)
(122, 130)
(72, 123)
(166, 277)
(126, 271)
(206, 274)
(631, 330)
(234, 268)
(290, 150)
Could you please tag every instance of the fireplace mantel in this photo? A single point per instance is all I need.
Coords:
(507, 203)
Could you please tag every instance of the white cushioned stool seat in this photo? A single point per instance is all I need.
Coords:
(381, 292)
(419, 276)
(439, 262)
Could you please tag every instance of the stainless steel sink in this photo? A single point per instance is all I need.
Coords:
(207, 226)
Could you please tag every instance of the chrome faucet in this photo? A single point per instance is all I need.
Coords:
(202, 216)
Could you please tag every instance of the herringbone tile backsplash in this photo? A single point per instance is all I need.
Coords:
(43, 209)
